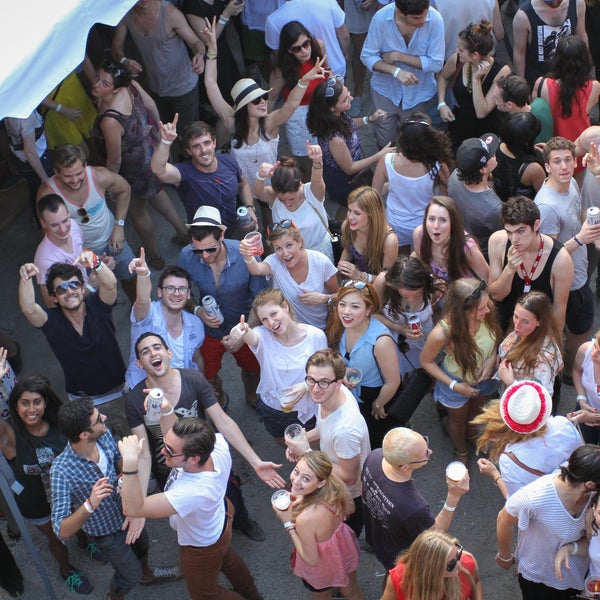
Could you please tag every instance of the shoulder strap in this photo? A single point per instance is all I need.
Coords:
(523, 465)
(540, 86)
(320, 217)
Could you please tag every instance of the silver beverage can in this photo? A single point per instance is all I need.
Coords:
(155, 398)
(244, 217)
(593, 215)
(212, 308)
(414, 323)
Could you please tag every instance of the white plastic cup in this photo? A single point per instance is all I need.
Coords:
(281, 499)
(592, 586)
(456, 470)
(293, 431)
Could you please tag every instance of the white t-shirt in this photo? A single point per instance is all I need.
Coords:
(587, 378)
(545, 453)
(283, 366)
(198, 499)
(344, 434)
(314, 232)
(544, 526)
(320, 270)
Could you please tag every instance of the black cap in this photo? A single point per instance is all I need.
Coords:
(473, 154)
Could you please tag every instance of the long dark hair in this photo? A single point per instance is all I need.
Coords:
(287, 62)
(571, 64)
(519, 131)
(321, 120)
(241, 127)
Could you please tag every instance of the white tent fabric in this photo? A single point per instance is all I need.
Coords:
(41, 42)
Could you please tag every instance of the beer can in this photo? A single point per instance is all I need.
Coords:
(212, 308)
(593, 215)
(414, 323)
(244, 217)
(155, 398)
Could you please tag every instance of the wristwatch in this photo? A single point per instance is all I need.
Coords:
(120, 222)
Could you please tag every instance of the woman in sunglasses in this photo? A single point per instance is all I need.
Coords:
(435, 567)
(282, 346)
(367, 345)
(468, 336)
(326, 551)
(337, 134)
(30, 440)
(307, 278)
(254, 130)
(127, 130)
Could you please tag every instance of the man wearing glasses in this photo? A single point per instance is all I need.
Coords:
(80, 331)
(341, 431)
(218, 270)
(166, 316)
(395, 513)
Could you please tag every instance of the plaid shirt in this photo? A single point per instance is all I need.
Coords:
(72, 477)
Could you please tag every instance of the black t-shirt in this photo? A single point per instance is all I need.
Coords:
(394, 513)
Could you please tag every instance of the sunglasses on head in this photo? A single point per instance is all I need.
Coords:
(210, 250)
(357, 285)
(303, 46)
(478, 291)
(111, 68)
(285, 224)
(62, 289)
(258, 100)
(84, 214)
(330, 91)
(452, 564)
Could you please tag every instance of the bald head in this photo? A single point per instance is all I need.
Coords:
(402, 445)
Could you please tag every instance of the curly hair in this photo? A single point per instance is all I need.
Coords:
(557, 143)
(370, 202)
(570, 65)
(287, 62)
(463, 298)
(420, 142)
(477, 37)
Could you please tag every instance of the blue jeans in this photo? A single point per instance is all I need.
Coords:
(127, 560)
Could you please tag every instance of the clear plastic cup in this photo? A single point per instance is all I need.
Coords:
(293, 431)
(285, 406)
(353, 376)
(456, 470)
(281, 499)
(254, 238)
(592, 586)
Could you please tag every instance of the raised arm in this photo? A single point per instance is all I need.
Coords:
(117, 50)
(107, 282)
(485, 104)
(33, 312)
(159, 164)
(143, 286)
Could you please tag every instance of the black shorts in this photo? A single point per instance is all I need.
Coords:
(276, 421)
(580, 310)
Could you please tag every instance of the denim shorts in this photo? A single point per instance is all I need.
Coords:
(453, 399)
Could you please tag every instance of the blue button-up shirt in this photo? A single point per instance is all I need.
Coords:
(427, 43)
(72, 477)
(236, 290)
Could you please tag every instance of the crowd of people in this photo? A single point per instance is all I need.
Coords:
(454, 260)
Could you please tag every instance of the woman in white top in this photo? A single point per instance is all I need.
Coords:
(586, 379)
(419, 170)
(307, 278)
(282, 346)
(291, 199)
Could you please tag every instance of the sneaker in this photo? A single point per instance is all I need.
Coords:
(94, 552)
(355, 107)
(77, 582)
(160, 575)
(251, 529)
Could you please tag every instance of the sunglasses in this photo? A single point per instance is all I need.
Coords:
(83, 213)
(62, 289)
(357, 285)
(210, 250)
(478, 291)
(452, 564)
(330, 91)
(285, 224)
(428, 452)
(322, 383)
(171, 453)
(96, 422)
(258, 100)
(303, 46)
(111, 68)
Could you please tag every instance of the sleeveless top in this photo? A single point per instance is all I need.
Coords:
(587, 379)
(312, 86)
(167, 64)
(31, 466)
(353, 143)
(406, 200)
(544, 39)
(249, 157)
(539, 284)
(138, 142)
(356, 258)
(508, 174)
(442, 272)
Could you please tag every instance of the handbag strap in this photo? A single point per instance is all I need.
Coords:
(523, 465)
(320, 217)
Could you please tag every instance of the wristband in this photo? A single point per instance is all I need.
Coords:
(211, 57)
(505, 560)
(249, 261)
(87, 505)
(301, 85)
(249, 206)
(365, 120)
(90, 288)
(578, 242)
(260, 178)
(575, 548)
(58, 108)
(196, 310)
(288, 524)
(452, 384)
(99, 267)
(396, 72)
(369, 278)
(223, 20)
(449, 508)
(129, 472)
(166, 142)
(123, 59)
(146, 275)
(441, 104)
(581, 397)
(166, 414)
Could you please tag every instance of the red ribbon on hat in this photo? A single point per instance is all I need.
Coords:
(527, 427)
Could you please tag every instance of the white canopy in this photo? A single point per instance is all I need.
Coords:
(41, 42)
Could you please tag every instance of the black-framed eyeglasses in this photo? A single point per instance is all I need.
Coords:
(428, 452)
(171, 289)
(452, 564)
(285, 224)
(299, 47)
(331, 82)
(322, 383)
(85, 217)
(478, 291)
(96, 422)
(171, 452)
(210, 250)
(357, 285)
(258, 100)
(62, 288)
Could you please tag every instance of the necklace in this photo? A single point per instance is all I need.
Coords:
(527, 277)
